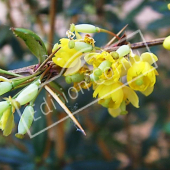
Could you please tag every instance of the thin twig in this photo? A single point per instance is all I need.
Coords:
(49, 58)
(64, 107)
(114, 38)
(139, 44)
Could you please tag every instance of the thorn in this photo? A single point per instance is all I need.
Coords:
(65, 108)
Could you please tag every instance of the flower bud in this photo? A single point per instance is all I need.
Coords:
(105, 102)
(97, 72)
(9, 124)
(115, 55)
(93, 77)
(5, 117)
(29, 93)
(5, 87)
(71, 44)
(123, 108)
(68, 79)
(25, 121)
(166, 43)
(105, 65)
(77, 77)
(83, 47)
(86, 28)
(3, 106)
(123, 50)
(72, 27)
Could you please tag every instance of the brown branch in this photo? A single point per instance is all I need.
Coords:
(139, 44)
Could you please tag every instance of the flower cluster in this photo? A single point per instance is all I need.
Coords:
(114, 76)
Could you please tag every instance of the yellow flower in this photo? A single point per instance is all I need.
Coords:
(142, 77)
(169, 6)
(7, 121)
(110, 68)
(66, 57)
(112, 95)
(96, 59)
(166, 43)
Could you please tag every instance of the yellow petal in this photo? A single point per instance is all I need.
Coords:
(156, 73)
(131, 96)
(78, 36)
(125, 66)
(114, 112)
(90, 57)
(148, 91)
(117, 95)
(97, 90)
(134, 59)
(105, 92)
(74, 69)
(149, 57)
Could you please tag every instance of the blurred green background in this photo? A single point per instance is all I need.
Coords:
(140, 140)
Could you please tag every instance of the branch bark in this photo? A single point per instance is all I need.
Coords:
(137, 45)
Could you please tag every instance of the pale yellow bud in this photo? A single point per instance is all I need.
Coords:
(166, 43)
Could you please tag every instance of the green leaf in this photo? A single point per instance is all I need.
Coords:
(33, 42)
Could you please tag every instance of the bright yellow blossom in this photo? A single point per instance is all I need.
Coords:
(169, 6)
(66, 57)
(112, 95)
(166, 43)
(111, 68)
(142, 77)
(96, 59)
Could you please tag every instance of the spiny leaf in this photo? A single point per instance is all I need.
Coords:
(33, 42)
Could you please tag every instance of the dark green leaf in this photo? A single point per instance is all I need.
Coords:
(33, 42)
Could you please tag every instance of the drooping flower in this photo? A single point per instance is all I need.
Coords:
(5, 87)
(141, 76)
(112, 95)
(7, 121)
